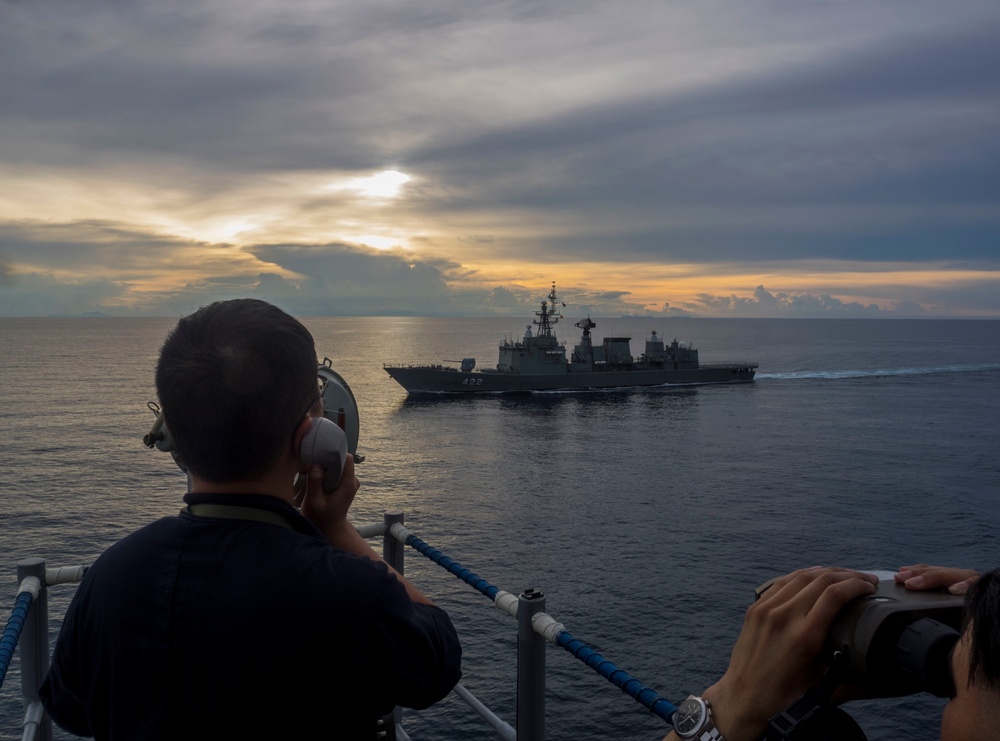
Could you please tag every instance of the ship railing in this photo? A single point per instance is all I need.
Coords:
(415, 365)
(29, 624)
(28, 627)
(431, 366)
(733, 364)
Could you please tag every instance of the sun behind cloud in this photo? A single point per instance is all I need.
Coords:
(385, 184)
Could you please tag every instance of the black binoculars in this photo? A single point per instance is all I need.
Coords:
(896, 641)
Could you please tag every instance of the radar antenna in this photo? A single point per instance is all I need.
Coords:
(549, 315)
(586, 325)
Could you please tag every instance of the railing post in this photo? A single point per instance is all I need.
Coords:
(530, 669)
(392, 552)
(35, 643)
(392, 549)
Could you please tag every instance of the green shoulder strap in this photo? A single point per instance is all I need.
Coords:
(236, 512)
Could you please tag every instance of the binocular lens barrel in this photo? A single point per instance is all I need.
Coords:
(923, 651)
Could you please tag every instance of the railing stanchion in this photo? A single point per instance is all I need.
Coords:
(35, 643)
(392, 549)
(530, 669)
(393, 552)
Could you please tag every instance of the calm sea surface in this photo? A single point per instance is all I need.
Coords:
(646, 517)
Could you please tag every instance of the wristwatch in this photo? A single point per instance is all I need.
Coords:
(694, 720)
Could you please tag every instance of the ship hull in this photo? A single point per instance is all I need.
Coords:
(436, 379)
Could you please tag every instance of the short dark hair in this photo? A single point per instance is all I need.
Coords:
(982, 621)
(233, 379)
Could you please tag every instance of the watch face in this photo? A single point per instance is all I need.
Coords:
(689, 716)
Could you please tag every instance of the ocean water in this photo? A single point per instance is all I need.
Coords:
(646, 517)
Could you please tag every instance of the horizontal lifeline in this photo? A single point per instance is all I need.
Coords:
(545, 625)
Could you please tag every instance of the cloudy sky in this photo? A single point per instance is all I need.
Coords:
(713, 158)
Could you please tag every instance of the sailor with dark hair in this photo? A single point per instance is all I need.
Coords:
(235, 379)
(974, 712)
(244, 617)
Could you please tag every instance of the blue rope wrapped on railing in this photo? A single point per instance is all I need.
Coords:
(473, 580)
(15, 624)
(545, 625)
(618, 677)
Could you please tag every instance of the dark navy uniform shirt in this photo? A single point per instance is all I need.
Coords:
(199, 627)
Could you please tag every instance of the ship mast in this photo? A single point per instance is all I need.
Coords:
(547, 317)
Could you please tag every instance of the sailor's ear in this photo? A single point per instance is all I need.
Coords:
(305, 424)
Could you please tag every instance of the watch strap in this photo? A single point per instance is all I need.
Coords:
(709, 732)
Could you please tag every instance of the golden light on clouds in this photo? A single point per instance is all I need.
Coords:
(378, 241)
(227, 229)
(653, 284)
(273, 206)
(206, 232)
(385, 184)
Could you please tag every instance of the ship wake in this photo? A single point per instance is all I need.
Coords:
(877, 373)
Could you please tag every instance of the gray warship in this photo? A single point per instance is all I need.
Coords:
(537, 362)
